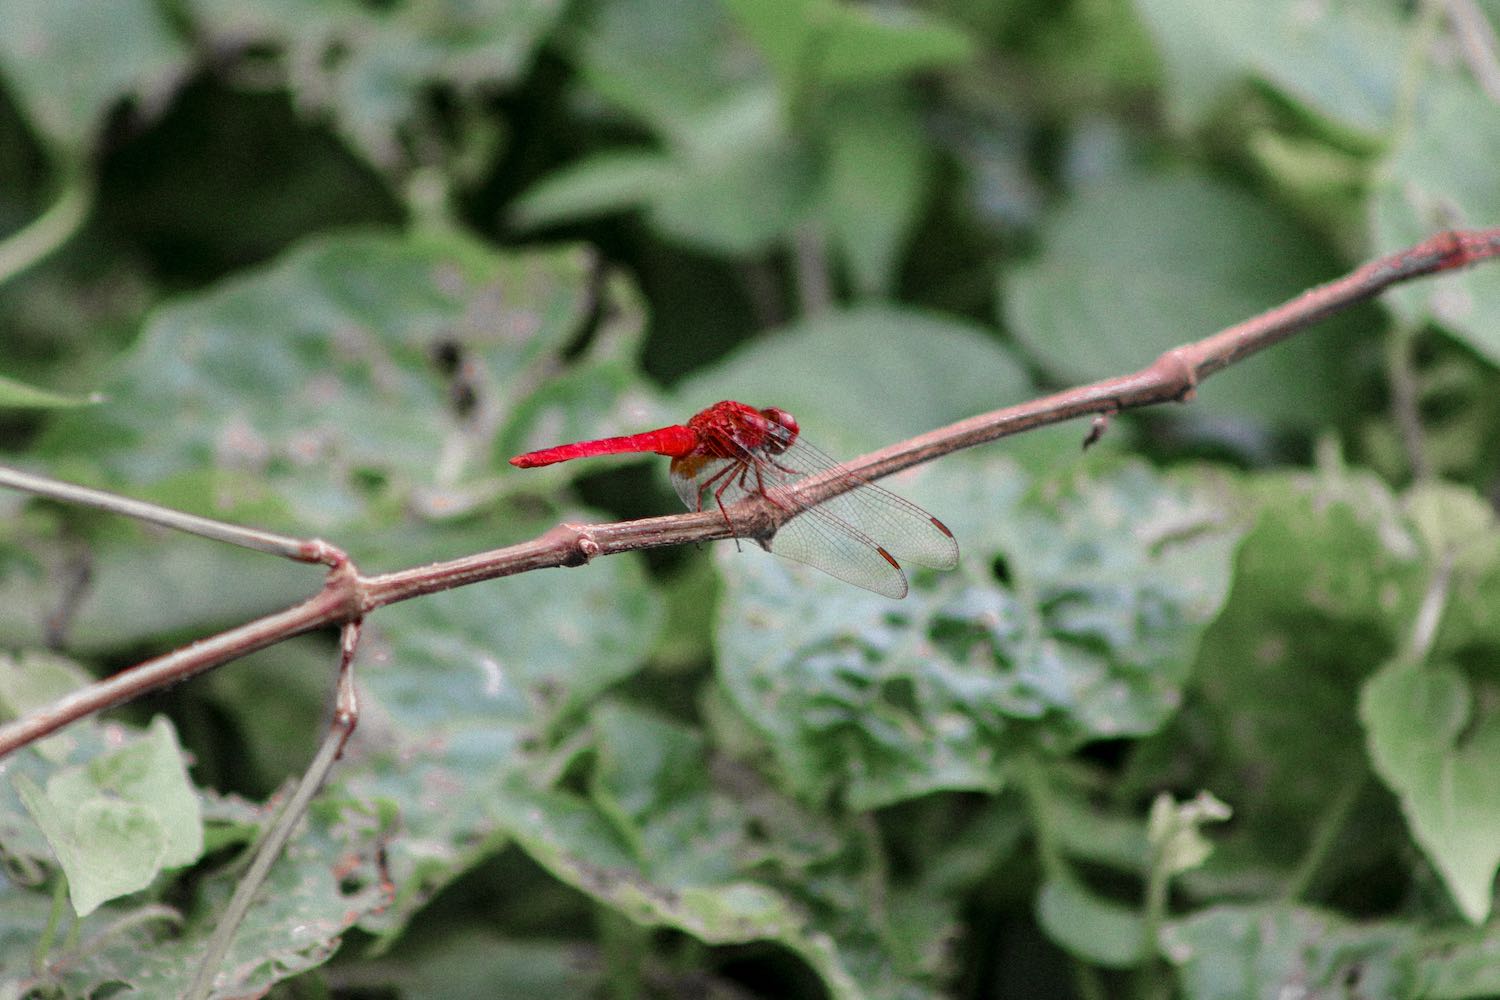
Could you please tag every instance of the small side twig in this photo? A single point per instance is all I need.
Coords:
(345, 718)
(1405, 405)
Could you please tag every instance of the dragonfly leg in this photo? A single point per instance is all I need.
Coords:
(760, 486)
(726, 474)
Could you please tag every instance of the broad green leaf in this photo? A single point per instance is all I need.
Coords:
(1088, 833)
(665, 62)
(152, 772)
(1325, 588)
(815, 42)
(327, 877)
(1265, 952)
(877, 174)
(1109, 580)
(480, 963)
(118, 821)
(1457, 967)
(1455, 524)
(1133, 267)
(665, 842)
(327, 378)
(20, 396)
(1340, 60)
(375, 68)
(783, 31)
(106, 847)
(1096, 930)
(1422, 188)
(576, 844)
(861, 378)
(1439, 751)
(69, 62)
(742, 180)
(863, 43)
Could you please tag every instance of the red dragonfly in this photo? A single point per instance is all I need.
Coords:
(731, 451)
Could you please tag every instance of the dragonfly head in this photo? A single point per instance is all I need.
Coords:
(784, 429)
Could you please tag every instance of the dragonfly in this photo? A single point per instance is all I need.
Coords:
(732, 451)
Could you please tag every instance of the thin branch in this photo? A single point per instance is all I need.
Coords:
(1406, 410)
(335, 603)
(302, 550)
(1174, 376)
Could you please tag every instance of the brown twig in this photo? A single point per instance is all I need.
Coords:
(347, 596)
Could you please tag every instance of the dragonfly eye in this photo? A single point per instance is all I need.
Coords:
(787, 423)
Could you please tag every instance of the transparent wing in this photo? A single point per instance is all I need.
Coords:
(907, 531)
(858, 536)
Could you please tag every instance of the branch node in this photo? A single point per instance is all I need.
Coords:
(1176, 369)
(1099, 425)
(348, 588)
(318, 551)
(579, 543)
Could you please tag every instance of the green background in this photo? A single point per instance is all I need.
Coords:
(322, 266)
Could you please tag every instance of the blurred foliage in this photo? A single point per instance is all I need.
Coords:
(1209, 711)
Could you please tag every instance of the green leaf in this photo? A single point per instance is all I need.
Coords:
(321, 379)
(742, 180)
(1458, 966)
(573, 843)
(665, 62)
(782, 31)
(1267, 952)
(1341, 60)
(1325, 586)
(68, 62)
(877, 175)
(864, 43)
(605, 182)
(20, 396)
(1136, 266)
(812, 42)
(1455, 523)
(1090, 928)
(478, 962)
(115, 823)
(293, 925)
(1422, 188)
(1109, 580)
(1439, 752)
(1175, 833)
(375, 68)
(106, 847)
(665, 841)
(144, 586)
